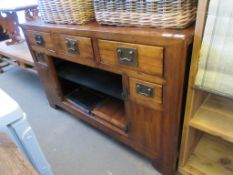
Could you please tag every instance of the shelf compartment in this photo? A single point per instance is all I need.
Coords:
(86, 99)
(212, 156)
(215, 116)
(112, 111)
(99, 80)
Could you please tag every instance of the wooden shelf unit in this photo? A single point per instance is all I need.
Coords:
(210, 156)
(207, 137)
(215, 116)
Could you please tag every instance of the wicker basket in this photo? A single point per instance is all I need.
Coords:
(151, 13)
(66, 11)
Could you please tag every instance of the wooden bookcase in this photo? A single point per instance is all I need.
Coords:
(207, 139)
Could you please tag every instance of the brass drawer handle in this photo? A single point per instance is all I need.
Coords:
(39, 39)
(72, 46)
(127, 56)
(144, 90)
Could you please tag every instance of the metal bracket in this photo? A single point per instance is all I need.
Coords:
(72, 46)
(125, 94)
(40, 57)
(128, 126)
(144, 90)
(39, 39)
(127, 56)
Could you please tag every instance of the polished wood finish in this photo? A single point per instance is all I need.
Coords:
(150, 58)
(112, 110)
(149, 125)
(84, 45)
(155, 101)
(12, 160)
(195, 98)
(47, 40)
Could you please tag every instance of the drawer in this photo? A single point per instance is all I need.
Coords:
(144, 58)
(74, 46)
(40, 39)
(145, 93)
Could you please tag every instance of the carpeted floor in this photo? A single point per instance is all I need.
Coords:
(71, 146)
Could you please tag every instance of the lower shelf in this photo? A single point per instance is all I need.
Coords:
(212, 156)
(90, 118)
(112, 111)
(85, 98)
(105, 109)
(215, 117)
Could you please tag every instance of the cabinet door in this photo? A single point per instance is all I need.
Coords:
(48, 78)
(144, 127)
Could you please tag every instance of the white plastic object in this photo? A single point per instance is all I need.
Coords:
(13, 121)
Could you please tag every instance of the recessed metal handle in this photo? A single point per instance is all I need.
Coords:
(127, 56)
(125, 59)
(144, 90)
(121, 58)
(72, 46)
(39, 39)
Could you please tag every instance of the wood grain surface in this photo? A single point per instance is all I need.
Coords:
(211, 157)
(215, 117)
(153, 122)
(18, 51)
(150, 58)
(12, 162)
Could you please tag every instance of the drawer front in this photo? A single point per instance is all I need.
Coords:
(40, 39)
(147, 59)
(145, 93)
(74, 46)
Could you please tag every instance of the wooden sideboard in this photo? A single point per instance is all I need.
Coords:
(127, 82)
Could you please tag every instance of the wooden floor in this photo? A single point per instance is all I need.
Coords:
(12, 161)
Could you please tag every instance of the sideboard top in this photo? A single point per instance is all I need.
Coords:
(93, 27)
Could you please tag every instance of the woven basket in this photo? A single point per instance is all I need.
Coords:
(150, 13)
(66, 11)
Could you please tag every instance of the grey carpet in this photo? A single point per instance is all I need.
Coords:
(71, 146)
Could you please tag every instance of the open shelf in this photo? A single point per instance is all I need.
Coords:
(105, 109)
(85, 98)
(215, 116)
(211, 156)
(99, 80)
(112, 111)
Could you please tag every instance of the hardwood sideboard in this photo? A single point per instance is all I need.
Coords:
(127, 82)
